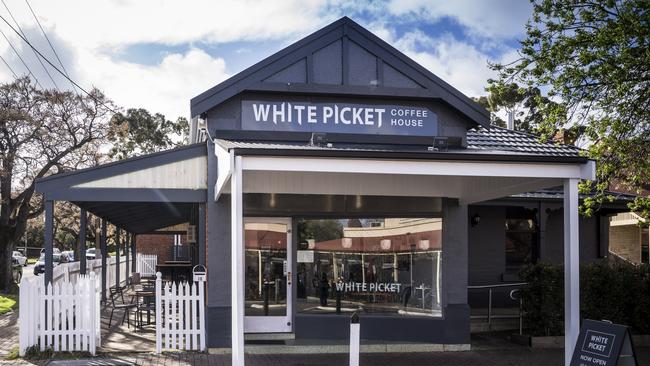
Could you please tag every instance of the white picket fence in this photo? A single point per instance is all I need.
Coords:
(110, 271)
(68, 272)
(146, 264)
(180, 314)
(65, 316)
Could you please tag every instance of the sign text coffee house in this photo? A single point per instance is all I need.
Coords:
(331, 178)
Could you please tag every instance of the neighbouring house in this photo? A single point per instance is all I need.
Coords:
(629, 237)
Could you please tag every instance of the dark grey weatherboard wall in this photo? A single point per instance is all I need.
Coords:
(452, 328)
(487, 259)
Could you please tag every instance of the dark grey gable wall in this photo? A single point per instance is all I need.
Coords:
(342, 59)
(330, 66)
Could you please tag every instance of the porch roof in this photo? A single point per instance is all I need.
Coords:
(139, 194)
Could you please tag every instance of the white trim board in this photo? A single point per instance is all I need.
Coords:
(419, 167)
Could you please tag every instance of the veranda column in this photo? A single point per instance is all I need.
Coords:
(201, 234)
(81, 241)
(237, 263)
(49, 244)
(127, 239)
(104, 251)
(571, 268)
(133, 255)
(118, 232)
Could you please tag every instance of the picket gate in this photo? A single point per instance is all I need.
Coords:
(146, 264)
(180, 315)
(64, 316)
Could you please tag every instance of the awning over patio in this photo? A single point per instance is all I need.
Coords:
(138, 195)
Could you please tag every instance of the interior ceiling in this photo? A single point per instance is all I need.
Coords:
(140, 217)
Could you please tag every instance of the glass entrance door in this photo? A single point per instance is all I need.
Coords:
(267, 307)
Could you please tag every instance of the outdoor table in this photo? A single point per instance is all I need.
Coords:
(145, 295)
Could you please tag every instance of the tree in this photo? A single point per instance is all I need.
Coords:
(527, 105)
(320, 230)
(140, 132)
(593, 59)
(42, 132)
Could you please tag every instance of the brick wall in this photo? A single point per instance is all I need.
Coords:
(625, 241)
(158, 244)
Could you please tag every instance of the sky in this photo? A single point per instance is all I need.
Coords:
(159, 54)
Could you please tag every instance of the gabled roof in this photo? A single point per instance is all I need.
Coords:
(309, 66)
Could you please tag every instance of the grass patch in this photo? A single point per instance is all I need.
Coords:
(13, 354)
(7, 303)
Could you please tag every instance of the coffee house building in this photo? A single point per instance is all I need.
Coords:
(337, 176)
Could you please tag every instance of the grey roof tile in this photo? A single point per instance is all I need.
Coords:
(502, 139)
(482, 141)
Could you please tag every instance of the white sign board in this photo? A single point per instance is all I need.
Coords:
(305, 256)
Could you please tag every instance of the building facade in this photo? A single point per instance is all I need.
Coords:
(339, 176)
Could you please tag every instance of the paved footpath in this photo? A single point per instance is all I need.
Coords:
(511, 355)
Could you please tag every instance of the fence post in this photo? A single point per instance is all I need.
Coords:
(93, 313)
(355, 334)
(202, 313)
(22, 316)
(158, 312)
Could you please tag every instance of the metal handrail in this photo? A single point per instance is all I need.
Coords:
(501, 285)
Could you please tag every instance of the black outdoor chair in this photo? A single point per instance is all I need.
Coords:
(126, 307)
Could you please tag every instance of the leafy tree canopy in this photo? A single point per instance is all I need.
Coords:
(592, 60)
(42, 132)
(139, 132)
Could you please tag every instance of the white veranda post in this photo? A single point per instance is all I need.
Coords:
(237, 265)
(571, 268)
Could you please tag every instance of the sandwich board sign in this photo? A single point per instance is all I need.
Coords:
(602, 343)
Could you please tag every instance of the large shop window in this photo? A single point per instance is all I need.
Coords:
(382, 266)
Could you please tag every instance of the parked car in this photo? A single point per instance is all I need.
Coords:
(22, 260)
(92, 253)
(17, 271)
(55, 250)
(69, 254)
(40, 265)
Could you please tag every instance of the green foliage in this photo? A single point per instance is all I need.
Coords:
(543, 299)
(614, 291)
(34, 353)
(140, 132)
(320, 230)
(527, 105)
(593, 59)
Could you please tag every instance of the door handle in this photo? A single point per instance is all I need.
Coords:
(289, 278)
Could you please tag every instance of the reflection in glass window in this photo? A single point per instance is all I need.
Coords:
(522, 235)
(389, 266)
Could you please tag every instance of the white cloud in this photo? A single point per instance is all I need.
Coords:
(105, 24)
(502, 18)
(458, 63)
(166, 87)
(88, 33)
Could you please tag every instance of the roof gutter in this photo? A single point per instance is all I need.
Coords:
(412, 155)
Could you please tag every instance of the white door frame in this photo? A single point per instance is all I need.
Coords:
(274, 324)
